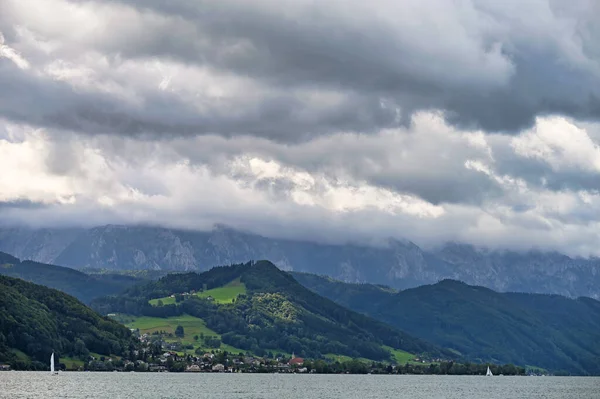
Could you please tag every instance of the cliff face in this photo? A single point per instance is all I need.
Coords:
(400, 264)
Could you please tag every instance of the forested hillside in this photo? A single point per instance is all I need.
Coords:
(549, 331)
(275, 313)
(81, 285)
(36, 321)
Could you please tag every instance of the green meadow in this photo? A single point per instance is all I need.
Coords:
(20, 355)
(192, 326)
(168, 300)
(221, 295)
(225, 294)
(400, 356)
(72, 364)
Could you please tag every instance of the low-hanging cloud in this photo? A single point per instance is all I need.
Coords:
(327, 189)
(473, 121)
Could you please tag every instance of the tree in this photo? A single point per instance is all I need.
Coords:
(179, 331)
(160, 302)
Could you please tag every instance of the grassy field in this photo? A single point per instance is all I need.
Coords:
(20, 355)
(400, 356)
(344, 358)
(72, 363)
(192, 326)
(225, 294)
(165, 301)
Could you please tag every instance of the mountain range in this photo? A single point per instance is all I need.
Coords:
(400, 264)
(548, 331)
(256, 303)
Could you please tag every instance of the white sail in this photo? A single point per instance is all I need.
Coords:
(489, 372)
(52, 363)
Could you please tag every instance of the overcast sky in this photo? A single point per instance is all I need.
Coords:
(450, 120)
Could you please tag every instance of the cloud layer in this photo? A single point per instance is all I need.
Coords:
(467, 121)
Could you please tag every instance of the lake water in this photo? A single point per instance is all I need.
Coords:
(14, 384)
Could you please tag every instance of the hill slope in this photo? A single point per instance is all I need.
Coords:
(82, 286)
(548, 331)
(36, 321)
(400, 264)
(275, 313)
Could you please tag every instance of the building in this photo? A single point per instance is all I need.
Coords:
(218, 367)
(155, 367)
(193, 368)
(296, 361)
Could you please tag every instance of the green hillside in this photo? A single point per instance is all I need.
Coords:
(275, 313)
(359, 297)
(196, 337)
(36, 321)
(82, 286)
(225, 294)
(548, 331)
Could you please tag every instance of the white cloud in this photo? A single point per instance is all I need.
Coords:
(271, 189)
(559, 143)
(323, 120)
(12, 55)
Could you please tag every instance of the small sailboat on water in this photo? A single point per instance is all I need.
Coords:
(489, 372)
(52, 371)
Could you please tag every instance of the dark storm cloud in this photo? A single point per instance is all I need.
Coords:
(504, 80)
(482, 66)
(30, 99)
(21, 204)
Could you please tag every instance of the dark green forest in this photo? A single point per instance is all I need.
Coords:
(37, 321)
(81, 285)
(548, 331)
(277, 313)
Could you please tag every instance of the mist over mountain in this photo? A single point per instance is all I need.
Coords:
(399, 264)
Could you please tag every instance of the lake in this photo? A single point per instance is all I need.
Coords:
(24, 384)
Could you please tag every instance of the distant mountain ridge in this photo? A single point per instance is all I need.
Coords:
(401, 264)
(548, 331)
(83, 286)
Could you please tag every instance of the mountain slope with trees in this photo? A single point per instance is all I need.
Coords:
(81, 285)
(549, 331)
(36, 321)
(275, 313)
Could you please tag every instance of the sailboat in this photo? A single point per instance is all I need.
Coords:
(52, 365)
(489, 372)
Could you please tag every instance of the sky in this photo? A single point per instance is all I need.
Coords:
(433, 121)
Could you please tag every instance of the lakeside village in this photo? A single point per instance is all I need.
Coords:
(157, 355)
